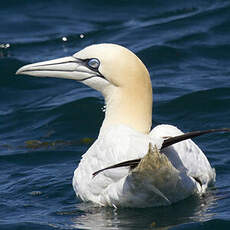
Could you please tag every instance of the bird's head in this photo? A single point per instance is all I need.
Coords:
(113, 70)
(98, 66)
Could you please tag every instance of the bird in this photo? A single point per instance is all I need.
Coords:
(129, 165)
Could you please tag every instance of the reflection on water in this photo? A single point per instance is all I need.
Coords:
(194, 209)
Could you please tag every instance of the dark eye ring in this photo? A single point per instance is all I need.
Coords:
(93, 63)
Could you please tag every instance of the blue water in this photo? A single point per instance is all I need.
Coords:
(47, 124)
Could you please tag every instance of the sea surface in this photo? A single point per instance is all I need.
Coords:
(47, 124)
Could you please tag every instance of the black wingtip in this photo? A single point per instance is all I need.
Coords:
(189, 135)
(131, 163)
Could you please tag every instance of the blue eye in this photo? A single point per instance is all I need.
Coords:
(94, 63)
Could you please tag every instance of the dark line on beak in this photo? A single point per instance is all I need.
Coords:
(77, 60)
(59, 63)
(58, 70)
(168, 142)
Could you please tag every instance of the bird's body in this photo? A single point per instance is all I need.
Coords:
(163, 176)
(171, 180)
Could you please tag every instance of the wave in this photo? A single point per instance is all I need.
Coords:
(157, 19)
(27, 226)
(205, 108)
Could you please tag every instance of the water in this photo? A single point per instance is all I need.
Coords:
(47, 124)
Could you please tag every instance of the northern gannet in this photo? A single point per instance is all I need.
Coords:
(162, 173)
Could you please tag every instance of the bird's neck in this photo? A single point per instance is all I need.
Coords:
(129, 106)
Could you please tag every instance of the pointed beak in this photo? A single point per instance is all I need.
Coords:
(67, 67)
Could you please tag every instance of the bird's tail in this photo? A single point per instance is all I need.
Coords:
(156, 177)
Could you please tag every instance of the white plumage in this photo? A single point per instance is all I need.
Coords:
(117, 187)
(162, 178)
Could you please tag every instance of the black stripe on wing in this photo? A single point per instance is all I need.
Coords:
(169, 141)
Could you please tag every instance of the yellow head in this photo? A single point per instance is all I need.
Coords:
(113, 70)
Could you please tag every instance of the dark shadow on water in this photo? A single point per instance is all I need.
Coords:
(193, 209)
